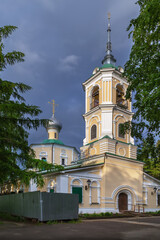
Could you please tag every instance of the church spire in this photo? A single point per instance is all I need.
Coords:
(109, 59)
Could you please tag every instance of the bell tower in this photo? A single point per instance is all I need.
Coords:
(106, 109)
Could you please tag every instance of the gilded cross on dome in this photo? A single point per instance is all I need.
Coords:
(53, 103)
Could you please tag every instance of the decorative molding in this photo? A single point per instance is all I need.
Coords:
(98, 191)
(107, 198)
(76, 179)
(123, 188)
(146, 195)
(43, 153)
(94, 116)
(124, 150)
(40, 145)
(152, 185)
(86, 176)
(122, 80)
(120, 115)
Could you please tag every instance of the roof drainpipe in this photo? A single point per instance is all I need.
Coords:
(105, 155)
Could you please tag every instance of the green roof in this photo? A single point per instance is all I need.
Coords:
(104, 66)
(53, 141)
(97, 140)
(106, 136)
(108, 66)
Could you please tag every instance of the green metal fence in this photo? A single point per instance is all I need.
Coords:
(41, 205)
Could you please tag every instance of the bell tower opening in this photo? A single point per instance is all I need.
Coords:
(95, 97)
(119, 94)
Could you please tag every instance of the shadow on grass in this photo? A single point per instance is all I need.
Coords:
(8, 217)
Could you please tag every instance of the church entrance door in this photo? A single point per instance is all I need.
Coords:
(123, 202)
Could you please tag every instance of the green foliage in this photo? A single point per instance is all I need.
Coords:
(63, 221)
(16, 118)
(143, 72)
(74, 221)
(116, 215)
(9, 217)
(97, 215)
(52, 222)
(143, 68)
(149, 152)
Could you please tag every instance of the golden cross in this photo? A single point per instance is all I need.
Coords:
(109, 15)
(53, 103)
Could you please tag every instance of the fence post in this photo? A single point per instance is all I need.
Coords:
(41, 207)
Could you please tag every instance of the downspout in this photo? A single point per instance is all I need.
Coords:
(105, 154)
(52, 153)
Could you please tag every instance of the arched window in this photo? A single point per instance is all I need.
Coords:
(63, 161)
(120, 131)
(93, 132)
(95, 97)
(43, 156)
(63, 157)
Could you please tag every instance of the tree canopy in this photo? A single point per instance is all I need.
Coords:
(17, 159)
(143, 73)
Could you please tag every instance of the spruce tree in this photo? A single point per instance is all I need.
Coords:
(17, 159)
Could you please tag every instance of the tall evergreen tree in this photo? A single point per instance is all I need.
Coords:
(16, 118)
(143, 73)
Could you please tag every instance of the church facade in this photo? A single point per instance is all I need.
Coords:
(107, 175)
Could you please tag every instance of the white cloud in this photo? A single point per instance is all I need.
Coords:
(69, 63)
(30, 55)
(32, 60)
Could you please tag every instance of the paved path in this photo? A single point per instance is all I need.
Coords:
(119, 228)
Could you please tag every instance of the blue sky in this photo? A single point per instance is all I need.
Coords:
(63, 41)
